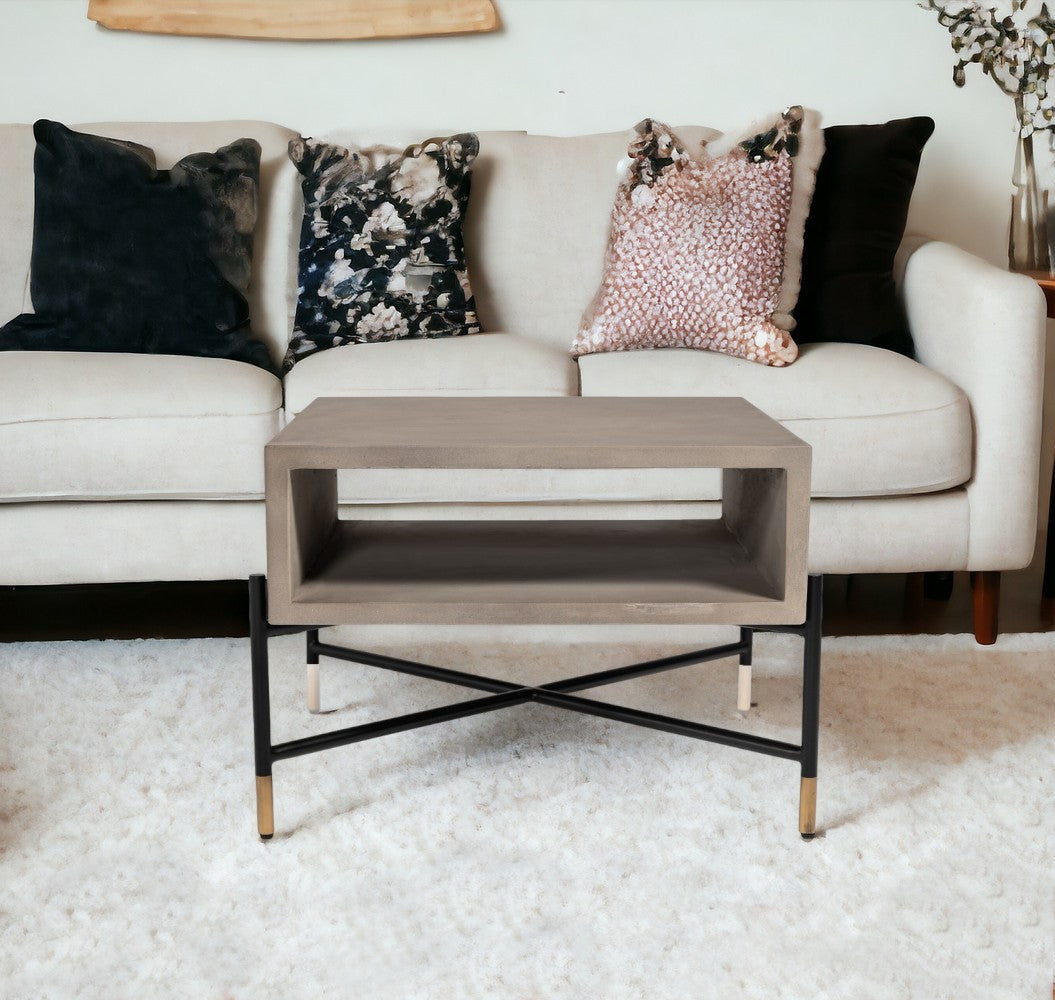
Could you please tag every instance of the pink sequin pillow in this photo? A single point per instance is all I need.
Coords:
(705, 252)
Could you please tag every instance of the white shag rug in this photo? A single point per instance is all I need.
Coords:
(531, 853)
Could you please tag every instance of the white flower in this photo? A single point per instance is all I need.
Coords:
(382, 323)
(341, 282)
(386, 222)
(642, 196)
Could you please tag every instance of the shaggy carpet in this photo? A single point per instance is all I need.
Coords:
(531, 853)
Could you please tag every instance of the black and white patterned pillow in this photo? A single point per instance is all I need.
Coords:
(381, 249)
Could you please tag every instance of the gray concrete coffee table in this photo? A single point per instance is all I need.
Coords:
(747, 567)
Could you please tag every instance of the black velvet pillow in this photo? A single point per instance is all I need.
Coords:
(855, 226)
(133, 259)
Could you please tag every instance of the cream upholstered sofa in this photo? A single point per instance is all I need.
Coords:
(139, 467)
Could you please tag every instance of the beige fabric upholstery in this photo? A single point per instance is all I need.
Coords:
(94, 426)
(16, 216)
(845, 534)
(68, 542)
(170, 141)
(131, 541)
(984, 329)
(879, 423)
(485, 364)
(511, 486)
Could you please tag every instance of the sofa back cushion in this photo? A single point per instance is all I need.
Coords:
(537, 225)
(17, 146)
(170, 141)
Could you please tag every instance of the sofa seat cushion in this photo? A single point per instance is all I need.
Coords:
(879, 423)
(133, 426)
(486, 364)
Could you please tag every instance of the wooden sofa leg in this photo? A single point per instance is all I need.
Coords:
(986, 590)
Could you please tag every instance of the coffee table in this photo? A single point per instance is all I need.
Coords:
(746, 567)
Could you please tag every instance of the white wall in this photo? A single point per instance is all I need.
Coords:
(559, 66)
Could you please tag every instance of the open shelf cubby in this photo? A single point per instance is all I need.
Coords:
(533, 571)
(730, 568)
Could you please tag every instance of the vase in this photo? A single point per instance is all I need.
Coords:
(1028, 248)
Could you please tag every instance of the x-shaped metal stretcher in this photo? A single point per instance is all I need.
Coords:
(505, 694)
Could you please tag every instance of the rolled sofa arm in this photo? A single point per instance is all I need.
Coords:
(984, 329)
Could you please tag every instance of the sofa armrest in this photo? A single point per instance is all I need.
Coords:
(984, 329)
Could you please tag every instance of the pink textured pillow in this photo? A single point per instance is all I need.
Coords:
(706, 252)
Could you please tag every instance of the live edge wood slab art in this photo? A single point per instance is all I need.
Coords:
(297, 19)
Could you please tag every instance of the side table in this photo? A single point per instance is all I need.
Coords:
(746, 567)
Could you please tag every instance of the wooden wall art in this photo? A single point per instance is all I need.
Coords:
(297, 19)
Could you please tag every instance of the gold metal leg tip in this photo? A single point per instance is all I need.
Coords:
(808, 808)
(265, 808)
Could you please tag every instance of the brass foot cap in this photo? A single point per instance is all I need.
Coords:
(808, 808)
(265, 810)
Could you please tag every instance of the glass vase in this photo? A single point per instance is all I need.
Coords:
(1028, 249)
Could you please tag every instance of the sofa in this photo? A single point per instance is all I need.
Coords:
(121, 468)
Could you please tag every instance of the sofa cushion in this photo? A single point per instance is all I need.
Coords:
(108, 426)
(485, 364)
(879, 423)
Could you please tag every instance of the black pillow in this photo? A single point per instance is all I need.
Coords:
(855, 226)
(133, 259)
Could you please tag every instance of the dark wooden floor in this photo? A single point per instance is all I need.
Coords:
(857, 605)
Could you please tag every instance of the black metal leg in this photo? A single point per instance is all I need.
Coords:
(743, 680)
(312, 678)
(811, 706)
(258, 635)
(747, 637)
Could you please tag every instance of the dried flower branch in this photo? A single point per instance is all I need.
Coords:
(1015, 46)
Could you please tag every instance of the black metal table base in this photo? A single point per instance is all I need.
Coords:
(559, 694)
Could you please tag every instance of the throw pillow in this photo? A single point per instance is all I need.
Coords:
(704, 251)
(381, 249)
(856, 224)
(129, 258)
